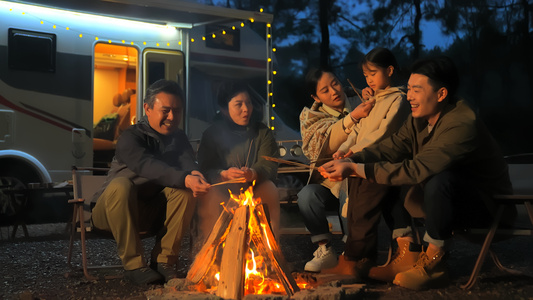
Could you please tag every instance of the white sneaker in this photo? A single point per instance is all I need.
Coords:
(324, 258)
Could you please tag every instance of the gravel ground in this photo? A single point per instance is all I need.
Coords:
(35, 268)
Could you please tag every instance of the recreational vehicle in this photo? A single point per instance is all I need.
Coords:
(73, 74)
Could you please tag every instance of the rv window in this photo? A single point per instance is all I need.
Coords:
(32, 51)
(156, 71)
(231, 40)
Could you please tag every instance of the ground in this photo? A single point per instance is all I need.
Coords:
(35, 268)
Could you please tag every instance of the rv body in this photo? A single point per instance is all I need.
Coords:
(63, 65)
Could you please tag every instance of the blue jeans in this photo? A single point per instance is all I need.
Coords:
(313, 201)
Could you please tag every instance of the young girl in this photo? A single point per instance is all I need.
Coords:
(366, 198)
(390, 109)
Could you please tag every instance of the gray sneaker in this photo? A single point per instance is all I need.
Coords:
(167, 270)
(142, 276)
(324, 258)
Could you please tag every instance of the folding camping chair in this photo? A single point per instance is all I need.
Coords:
(85, 184)
(521, 173)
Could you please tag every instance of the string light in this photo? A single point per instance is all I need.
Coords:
(157, 43)
(145, 43)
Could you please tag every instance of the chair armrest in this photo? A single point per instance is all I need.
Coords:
(512, 199)
(74, 201)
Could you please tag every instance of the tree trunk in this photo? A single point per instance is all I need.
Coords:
(416, 35)
(324, 29)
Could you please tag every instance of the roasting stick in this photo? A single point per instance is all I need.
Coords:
(279, 160)
(235, 180)
(321, 159)
(355, 90)
(248, 156)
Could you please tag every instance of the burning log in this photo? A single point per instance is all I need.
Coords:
(230, 246)
(207, 254)
(231, 281)
(264, 240)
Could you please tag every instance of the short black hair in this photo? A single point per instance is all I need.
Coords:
(313, 76)
(441, 72)
(229, 89)
(165, 86)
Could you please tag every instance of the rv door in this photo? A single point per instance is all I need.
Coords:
(162, 64)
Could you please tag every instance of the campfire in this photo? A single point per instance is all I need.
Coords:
(241, 255)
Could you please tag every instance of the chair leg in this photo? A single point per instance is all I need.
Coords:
(72, 232)
(529, 208)
(83, 246)
(498, 264)
(484, 250)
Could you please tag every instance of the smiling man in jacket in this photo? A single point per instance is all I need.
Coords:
(152, 185)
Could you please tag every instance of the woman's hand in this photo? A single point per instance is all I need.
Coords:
(249, 174)
(363, 109)
(337, 170)
(231, 173)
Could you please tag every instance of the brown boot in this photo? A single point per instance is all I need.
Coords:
(403, 259)
(428, 272)
(356, 268)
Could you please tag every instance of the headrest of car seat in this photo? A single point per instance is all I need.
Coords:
(123, 98)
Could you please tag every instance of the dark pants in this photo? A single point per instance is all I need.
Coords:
(452, 201)
(367, 202)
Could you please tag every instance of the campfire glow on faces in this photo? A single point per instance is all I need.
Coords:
(262, 262)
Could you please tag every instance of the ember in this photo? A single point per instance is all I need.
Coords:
(241, 255)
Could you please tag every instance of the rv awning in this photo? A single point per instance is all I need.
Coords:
(190, 14)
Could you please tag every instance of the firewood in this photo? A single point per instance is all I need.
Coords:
(232, 265)
(204, 259)
(264, 240)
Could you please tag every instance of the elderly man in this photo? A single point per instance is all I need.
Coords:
(450, 163)
(152, 185)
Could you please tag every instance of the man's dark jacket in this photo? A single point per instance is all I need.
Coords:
(152, 161)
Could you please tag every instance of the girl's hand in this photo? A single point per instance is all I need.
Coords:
(338, 155)
(367, 93)
(350, 152)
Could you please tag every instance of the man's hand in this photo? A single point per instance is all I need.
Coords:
(363, 109)
(337, 170)
(197, 184)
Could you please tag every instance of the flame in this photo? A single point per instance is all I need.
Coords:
(256, 268)
(253, 270)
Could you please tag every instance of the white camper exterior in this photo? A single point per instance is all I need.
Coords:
(64, 64)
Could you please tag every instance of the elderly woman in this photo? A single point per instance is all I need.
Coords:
(233, 148)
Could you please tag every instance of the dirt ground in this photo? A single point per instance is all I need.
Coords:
(35, 268)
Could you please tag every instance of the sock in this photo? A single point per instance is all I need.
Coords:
(433, 250)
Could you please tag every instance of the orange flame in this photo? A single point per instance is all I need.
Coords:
(257, 280)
